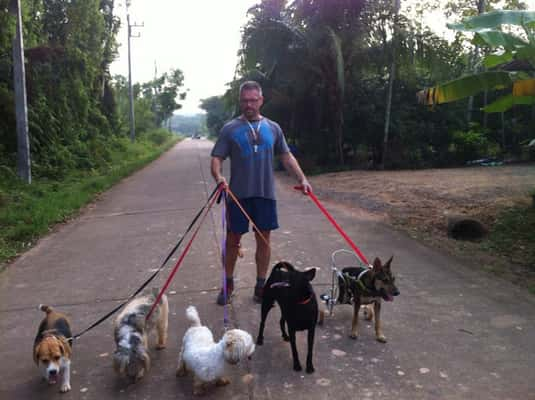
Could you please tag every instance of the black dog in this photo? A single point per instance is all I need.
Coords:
(292, 290)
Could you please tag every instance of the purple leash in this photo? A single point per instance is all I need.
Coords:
(223, 256)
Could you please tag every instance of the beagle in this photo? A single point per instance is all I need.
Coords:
(52, 348)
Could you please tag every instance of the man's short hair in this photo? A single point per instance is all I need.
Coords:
(250, 85)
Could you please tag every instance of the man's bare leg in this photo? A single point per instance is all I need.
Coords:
(262, 257)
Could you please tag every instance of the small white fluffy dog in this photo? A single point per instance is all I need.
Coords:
(206, 358)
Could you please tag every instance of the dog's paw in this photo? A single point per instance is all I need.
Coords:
(160, 346)
(65, 387)
(354, 336)
(310, 369)
(260, 341)
(321, 317)
(286, 338)
(297, 367)
(368, 312)
(222, 381)
(381, 339)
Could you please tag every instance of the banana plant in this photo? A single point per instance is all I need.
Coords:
(510, 67)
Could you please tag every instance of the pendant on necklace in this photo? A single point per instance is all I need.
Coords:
(255, 148)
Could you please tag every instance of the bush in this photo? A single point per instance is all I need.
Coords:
(158, 136)
(471, 145)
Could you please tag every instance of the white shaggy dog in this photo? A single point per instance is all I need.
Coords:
(206, 358)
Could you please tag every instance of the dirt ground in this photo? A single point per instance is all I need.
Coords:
(421, 202)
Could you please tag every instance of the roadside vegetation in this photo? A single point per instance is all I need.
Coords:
(78, 116)
(513, 237)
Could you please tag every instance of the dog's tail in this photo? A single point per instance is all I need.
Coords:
(45, 308)
(193, 316)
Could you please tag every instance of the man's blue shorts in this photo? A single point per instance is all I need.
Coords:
(261, 210)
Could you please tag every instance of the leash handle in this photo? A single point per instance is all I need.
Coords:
(334, 223)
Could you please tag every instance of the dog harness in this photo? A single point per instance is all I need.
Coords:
(363, 289)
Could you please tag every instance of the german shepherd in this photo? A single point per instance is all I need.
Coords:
(366, 286)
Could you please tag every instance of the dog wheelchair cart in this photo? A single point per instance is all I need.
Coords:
(332, 297)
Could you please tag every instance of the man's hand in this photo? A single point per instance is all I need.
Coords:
(305, 186)
(221, 180)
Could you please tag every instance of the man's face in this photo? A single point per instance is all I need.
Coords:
(250, 103)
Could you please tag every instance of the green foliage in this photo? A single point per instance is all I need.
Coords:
(158, 136)
(217, 113)
(69, 46)
(470, 145)
(323, 67)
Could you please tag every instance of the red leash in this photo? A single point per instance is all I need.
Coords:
(177, 265)
(335, 224)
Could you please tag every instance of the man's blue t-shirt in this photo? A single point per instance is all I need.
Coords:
(251, 160)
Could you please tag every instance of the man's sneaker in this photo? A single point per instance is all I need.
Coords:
(258, 294)
(221, 295)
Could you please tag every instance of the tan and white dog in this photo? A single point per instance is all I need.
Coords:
(52, 348)
(131, 358)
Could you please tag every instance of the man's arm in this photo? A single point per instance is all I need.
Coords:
(215, 169)
(292, 166)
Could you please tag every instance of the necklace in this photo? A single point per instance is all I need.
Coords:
(255, 133)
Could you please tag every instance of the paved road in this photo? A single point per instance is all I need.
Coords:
(453, 334)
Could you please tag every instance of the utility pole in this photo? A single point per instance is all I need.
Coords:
(130, 88)
(21, 105)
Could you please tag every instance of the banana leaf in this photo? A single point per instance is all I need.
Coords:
(506, 102)
(465, 87)
(494, 39)
(494, 19)
(492, 60)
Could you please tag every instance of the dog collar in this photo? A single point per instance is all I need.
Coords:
(279, 284)
(306, 301)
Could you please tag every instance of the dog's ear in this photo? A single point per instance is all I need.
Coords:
(65, 347)
(310, 273)
(387, 265)
(36, 354)
(284, 265)
(377, 264)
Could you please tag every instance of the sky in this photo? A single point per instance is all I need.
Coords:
(200, 37)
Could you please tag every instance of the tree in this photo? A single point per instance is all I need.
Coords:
(217, 113)
(163, 92)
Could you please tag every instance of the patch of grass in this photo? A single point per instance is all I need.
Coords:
(513, 236)
(27, 212)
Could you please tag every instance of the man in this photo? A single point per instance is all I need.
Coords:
(251, 141)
